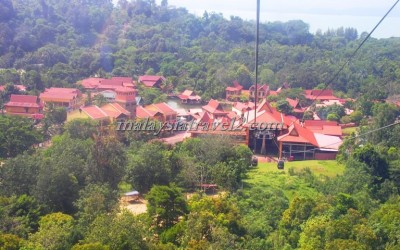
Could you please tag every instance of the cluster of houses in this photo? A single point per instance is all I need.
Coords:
(282, 135)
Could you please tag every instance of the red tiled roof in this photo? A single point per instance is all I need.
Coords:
(95, 112)
(324, 127)
(162, 107)
(243, 106)
(145, 113)
(319, 123)
(319, 94)
(237, 85)
(66, 94)
(28, 101)
(189, 94)
(103, 83)
(292, 102)
(214, 107)
(92, 82)
(205, 117)
(115, 107)
(298, 134)
(150, 81)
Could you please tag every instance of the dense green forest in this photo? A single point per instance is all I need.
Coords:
(64, 194)
(57, 43)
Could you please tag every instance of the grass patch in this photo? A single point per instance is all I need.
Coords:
(75, 115)
(327, 168)
(267, 175)
(348, 131)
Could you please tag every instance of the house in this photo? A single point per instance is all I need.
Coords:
(143, 113)
(262, 92)
(206, 124)
(151, 81)
(297, 109)
(320, 95)
(300, 143)
(69, 98)
(109, 112)
(96, 84)
(215, 109)
(168, 114)
(277, 134)
(189, 97)
(24, 105)
(234, 92)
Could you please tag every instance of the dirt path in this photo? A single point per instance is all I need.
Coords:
(135, 207)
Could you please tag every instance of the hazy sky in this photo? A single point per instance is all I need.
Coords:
(319, 14)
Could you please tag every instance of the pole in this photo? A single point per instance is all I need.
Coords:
(256, 70)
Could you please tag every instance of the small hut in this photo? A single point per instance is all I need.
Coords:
(131, 196)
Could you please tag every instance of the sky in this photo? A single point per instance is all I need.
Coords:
(319, 14)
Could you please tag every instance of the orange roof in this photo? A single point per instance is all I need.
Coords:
(319, 94)
(189, 94)
(162, 108)
(95, 112)
(243, 106)
(292, 102)
(116, 109)
(324, 127)
(237, 85)
(103, 83)
(214, 107)
(298, 134)
(92, 82)
(319, 123)
(150, 81)
(267, 114)
(65, 94)
(145, 113)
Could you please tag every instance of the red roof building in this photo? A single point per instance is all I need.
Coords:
(262, 91)
(215, 109)
(152, 81)
(64, 97)
(234, 92)
(318, 94)
(24, 105)
(168, 114)
(295, 104)
(189, 97)
(109, 112)
(142, 113)
(276, 133)
(95, 84)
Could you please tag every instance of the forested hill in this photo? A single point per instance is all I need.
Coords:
(57, 43)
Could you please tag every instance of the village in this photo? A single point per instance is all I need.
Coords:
(292, 137)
